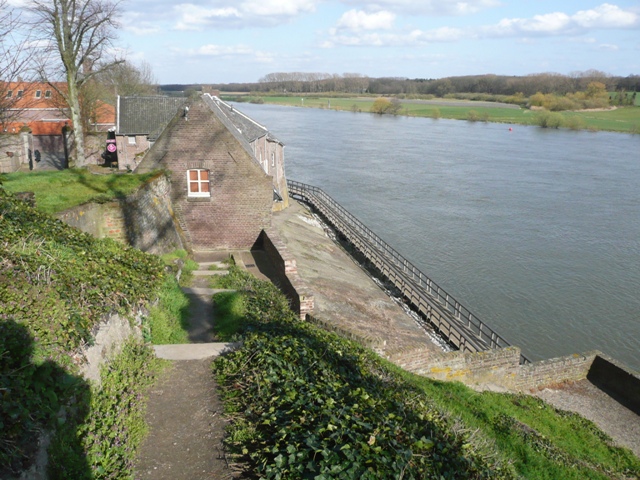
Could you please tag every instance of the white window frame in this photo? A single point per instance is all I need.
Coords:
(10, 94)
(47, 94)
(204, 186)
(131, 140)
(38, 93)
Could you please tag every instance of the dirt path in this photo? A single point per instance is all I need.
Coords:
(184, 413)
(186, 427)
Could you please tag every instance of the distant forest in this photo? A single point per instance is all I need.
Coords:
(353, 83)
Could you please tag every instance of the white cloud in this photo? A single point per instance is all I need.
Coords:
(194, 17)
(413, 38)
(245, 14)
(605, 16)
(278, 8)
(359, 20)
(427, 7)
(212, 50)
(607, 47)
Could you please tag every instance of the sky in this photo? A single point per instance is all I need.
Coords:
(226, 41)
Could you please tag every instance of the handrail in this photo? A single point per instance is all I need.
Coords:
(450, 317)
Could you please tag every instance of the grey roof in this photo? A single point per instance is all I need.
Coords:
(147, 115)
(226, 121)
(248, 128)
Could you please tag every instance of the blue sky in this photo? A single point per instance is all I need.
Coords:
(223, 41)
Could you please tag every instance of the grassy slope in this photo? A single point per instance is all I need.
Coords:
(623, 120)
(504, 435)
(56, 285)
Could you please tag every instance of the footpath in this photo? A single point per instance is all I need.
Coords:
(186, 425)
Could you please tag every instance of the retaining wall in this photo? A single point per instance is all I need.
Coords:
(288, 280)
(501, 367)
(143, 219)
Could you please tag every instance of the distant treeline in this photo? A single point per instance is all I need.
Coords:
(353, 83)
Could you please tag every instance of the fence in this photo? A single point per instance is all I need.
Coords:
(461, 328)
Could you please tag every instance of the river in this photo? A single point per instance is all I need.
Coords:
(536, 231)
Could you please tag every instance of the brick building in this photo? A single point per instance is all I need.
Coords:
(267, 149)
(140, 121)
(221, 195)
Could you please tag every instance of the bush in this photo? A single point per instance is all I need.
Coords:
(383, 106)
(549, 120)
(575, 123)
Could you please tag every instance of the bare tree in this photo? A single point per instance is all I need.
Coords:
(15, 56)
(128, 79)
(81, 33)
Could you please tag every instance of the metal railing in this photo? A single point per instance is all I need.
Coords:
(450, 318)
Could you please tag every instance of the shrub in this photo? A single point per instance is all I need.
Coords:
(549, 120)
(575, 123)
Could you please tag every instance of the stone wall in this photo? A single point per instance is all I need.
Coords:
(143, 219)
(499, 367)
(14, 150)
(288, 280)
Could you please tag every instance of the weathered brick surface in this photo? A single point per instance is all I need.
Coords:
(496, 367)
(143, 219)
(241, 193)
(289, 281)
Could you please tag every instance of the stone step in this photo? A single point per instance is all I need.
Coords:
(220, 265)
(209, 273)
(204, 291)
(193, 351)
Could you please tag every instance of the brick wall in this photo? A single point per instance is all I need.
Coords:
(239, 207)
(296, 290)
(143, 219)
(544, 373)
(499, 367)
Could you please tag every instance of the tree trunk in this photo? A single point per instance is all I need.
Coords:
(76, 119)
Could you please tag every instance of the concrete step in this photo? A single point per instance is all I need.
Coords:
(209, 273)
(204, 291)
(220, 265)
(193, 351)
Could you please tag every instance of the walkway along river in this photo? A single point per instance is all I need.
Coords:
(536, 231)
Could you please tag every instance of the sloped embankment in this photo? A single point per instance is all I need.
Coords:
(57, 285)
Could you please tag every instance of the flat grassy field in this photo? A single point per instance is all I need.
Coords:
(623, 119)
(59, 190)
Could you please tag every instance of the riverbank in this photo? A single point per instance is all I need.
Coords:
(350, 302)
(621, 120)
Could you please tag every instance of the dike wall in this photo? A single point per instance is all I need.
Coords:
(144, 219)
(501, 368)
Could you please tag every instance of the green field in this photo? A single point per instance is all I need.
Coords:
(622, 119)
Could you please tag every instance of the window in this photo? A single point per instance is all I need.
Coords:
(38, 93)
(47, 94)
(273, 159)
(198, 183)
(20, 92)
(131, 140)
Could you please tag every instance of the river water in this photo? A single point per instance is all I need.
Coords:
(536, 231)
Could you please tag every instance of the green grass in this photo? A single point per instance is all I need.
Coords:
(168, 320)
(57, 191)
(624, 120)
(229, 311)
(285, 391)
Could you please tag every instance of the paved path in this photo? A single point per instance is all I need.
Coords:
(184, 414)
